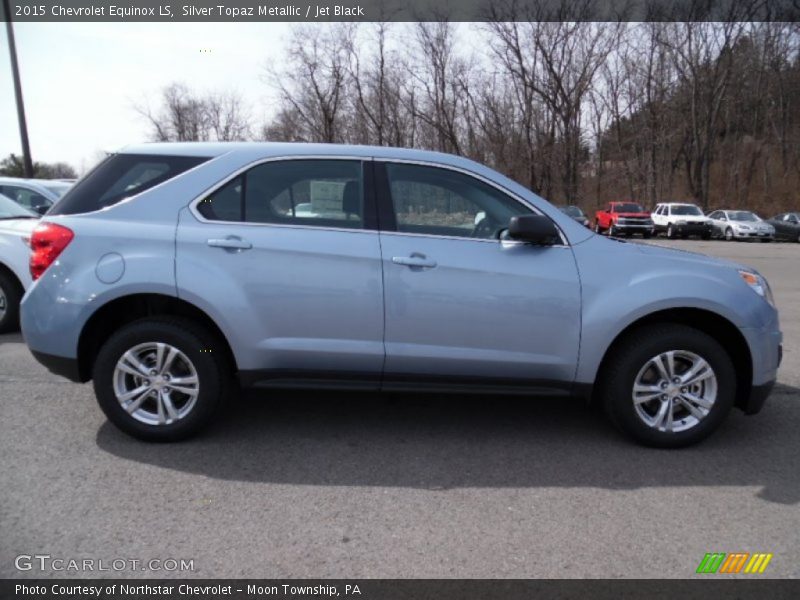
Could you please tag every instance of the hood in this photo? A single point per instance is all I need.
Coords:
(689, 257)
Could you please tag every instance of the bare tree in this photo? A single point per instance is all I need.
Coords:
(313, 81)
(185, 116)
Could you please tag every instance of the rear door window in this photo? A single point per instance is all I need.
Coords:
(121, 176)
(316, 193)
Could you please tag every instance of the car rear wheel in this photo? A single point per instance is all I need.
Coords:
(10, 295)
(668, 385)
(160, 379)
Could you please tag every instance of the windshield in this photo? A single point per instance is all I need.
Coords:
(11, 210)
(572, 211)
(59, 189)
(742, 215)
(686, 209)
(628, 207)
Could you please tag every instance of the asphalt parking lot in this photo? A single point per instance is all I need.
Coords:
(354, 485)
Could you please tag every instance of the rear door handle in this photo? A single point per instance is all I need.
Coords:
(230, 243)
(415, 260)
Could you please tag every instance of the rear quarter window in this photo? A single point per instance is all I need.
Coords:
(121, 176)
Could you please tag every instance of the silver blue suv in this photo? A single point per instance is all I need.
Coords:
(173, 270)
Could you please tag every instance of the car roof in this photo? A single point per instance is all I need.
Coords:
(34, 183)
(258, 150)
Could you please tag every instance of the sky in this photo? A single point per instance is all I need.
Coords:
(81, 81)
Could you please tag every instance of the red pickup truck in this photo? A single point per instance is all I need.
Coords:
(623, 218)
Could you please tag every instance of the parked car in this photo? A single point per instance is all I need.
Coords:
(34, 194)
(16, 225)
(576, 213)
(681, 220)
(787, 226)
(200, 273)
(623, 218)
(740, 225)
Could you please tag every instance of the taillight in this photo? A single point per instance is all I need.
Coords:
(47, 242)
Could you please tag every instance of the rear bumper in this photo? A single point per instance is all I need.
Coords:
(60, 365)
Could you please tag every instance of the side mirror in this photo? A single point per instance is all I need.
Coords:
(535, 229)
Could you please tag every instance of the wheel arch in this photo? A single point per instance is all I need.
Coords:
(714, 324)
(6, 270)
(126, 309)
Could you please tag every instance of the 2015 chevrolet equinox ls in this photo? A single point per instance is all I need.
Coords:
(172, 267)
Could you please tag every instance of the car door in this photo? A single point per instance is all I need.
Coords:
(461, 305)
(286, 257)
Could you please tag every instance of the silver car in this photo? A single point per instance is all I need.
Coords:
(172, 268)
(740, 225)
(37, 195)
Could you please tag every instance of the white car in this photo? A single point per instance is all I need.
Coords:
(37, 195)
(16, 225)
(678, 219)
(740, 225)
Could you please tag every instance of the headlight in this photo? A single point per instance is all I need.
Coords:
(758, 284)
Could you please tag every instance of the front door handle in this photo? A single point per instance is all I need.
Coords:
(230, 243)
(415, 260)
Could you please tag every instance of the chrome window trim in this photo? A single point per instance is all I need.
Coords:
(213, 188)
(255, 163)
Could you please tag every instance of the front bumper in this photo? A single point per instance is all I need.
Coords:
(633, 227)
(692, 228)
(60, 365)
(753, 235)
(755, 400)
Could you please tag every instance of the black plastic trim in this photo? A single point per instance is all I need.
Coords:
(60, 365)
(754, 402)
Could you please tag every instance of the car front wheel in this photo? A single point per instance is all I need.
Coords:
(160, 379)
(668, 385)
(728, 234)
(670, 232)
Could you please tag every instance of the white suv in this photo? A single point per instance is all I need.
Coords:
(681, 220)
(16, 225)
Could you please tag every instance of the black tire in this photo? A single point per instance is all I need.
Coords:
(597, 228)
(647, 235)
(197, 344)
(670, 232)
(10, 295)
(729, 235)
(621, 369)
(612, 231)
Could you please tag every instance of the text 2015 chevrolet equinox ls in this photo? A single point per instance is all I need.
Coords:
(172, 267)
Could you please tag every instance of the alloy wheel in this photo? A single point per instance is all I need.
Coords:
(674, 391)
(156, 383)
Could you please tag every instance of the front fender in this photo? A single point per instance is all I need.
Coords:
(622, 283)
